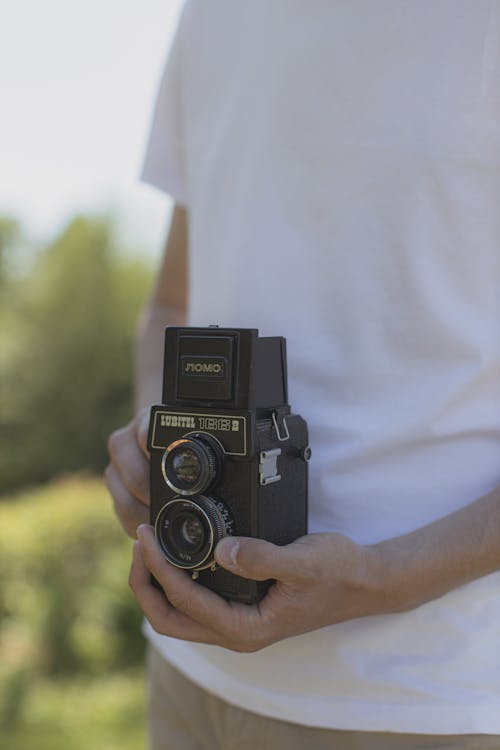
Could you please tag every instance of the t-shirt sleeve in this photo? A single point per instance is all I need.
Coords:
(164, 163)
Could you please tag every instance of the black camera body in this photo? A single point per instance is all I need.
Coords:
(227, 455)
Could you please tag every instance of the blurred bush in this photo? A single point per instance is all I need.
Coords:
(66, 330)
(70, 645)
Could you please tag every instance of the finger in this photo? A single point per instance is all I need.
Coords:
(130, 512)
(130, 462)
(260, 560)
(143, 430)
(235, 622)
(162, 616)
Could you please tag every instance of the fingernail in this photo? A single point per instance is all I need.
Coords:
(140, 530)
(226, 552)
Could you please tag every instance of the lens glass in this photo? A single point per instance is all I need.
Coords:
(187, 534)
(192, 531)
(188, 530)
(186, 466)
(184, 533)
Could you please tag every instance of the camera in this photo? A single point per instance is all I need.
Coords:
(227, 455)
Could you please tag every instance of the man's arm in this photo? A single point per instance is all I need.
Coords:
(437, 558)
(127, 475)
(168, 306)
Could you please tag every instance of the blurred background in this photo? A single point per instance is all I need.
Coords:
(79, 241)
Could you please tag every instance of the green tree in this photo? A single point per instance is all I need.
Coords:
(9, 236)
(66, 380)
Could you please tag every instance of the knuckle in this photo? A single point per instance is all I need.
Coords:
(316, 572)
(249, 645)
(180, 601)
(131, 580)
(308, 567)
(107, 476)
(247, 640)
(138, 484)
(159, 624)
(130, 528)
(120, 508)
(125, 517)
(132, 577)
(134, 476)
(307, 575)
(115, 441)
(142, 430)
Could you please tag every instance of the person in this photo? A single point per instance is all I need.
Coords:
(335, 168)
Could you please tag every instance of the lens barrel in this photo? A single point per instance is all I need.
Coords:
(191, 465)
(188, 530)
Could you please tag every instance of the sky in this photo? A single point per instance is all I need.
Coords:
(77, 86)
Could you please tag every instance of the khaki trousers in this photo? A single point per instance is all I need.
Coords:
(182, 716)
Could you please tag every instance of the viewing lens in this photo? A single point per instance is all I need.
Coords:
(186, 466)
(191, 465)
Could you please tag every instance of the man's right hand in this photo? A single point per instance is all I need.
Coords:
(127, 475)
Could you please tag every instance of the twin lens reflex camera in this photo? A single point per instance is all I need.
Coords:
(227, 455)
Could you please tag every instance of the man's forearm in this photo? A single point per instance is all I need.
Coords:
(442, 556)
(148, 354)
(168, 306)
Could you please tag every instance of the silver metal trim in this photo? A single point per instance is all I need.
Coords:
(268, 469)
(275, 423)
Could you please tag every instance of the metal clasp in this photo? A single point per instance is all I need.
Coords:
(268, 469)
(276, 427)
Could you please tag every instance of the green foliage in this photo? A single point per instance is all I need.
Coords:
(66, 340)
(9, 235)
(104, 714)
(70, 644)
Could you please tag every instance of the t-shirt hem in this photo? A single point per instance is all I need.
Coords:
(331, 713)
(170, 186)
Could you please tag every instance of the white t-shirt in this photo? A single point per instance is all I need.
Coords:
(340, 160)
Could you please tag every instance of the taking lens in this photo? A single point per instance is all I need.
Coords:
(191, 465)
(188, 531)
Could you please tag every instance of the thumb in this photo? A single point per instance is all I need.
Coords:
(256, 558)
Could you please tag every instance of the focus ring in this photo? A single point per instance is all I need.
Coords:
(212, 515)
(215, 516)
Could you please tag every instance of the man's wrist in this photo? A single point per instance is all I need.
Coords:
(392, 578)
(379, 581)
